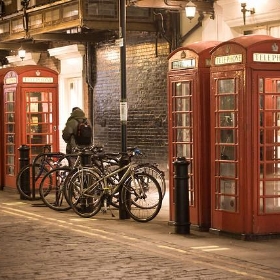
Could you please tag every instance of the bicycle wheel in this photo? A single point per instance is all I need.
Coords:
(24, 180)
(52, 188)
(142, 197)
(85, 192)
(66, 185)
(155, 172)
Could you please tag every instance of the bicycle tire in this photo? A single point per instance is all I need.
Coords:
(143, 200)
(68, 178)
(52, 188)
(25, 174)
(66, 185)
(155, 172)
(85, 194)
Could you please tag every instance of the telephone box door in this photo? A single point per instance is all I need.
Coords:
(41, 119)
(227, 156)
(31, 118)
(181, 133)
(266, 100)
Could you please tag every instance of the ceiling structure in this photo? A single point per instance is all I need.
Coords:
(75, 20)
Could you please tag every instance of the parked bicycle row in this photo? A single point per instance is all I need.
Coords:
(91, 180)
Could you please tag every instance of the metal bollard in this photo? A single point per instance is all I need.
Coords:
(86, 159)
(181, 196)
(24, 161)
(86, 202)
(123, 214)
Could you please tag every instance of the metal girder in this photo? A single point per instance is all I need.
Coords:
(202, 6)
(79, 37)
(168, 4)
(38, 47)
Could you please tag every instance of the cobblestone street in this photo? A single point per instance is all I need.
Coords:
(39, 243)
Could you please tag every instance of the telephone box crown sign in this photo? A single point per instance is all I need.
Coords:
(274, 47)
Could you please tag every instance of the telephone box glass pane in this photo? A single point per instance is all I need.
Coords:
(183, 150)
(226, 86)
(182, 89)
(183, 135)
(227, 119)
(182, 119)
(227, 187)
(227, 203)
(182, 104)
(227, 102)
(227, 169)
(272, 205)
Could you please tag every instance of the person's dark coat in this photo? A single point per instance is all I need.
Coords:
(70, 129)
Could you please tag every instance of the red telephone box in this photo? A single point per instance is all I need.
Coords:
(245, 136)
(189, 122)
(30, 115)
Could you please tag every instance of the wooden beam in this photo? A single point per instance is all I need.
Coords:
(32, 47)
(79, 37)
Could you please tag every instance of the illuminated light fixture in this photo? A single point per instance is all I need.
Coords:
(190, 10)
(21, 53)
(244, 10)
(192, 7)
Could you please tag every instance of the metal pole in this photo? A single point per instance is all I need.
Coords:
(122, 40)
(123, 104)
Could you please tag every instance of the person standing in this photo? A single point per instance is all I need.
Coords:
(68, 134)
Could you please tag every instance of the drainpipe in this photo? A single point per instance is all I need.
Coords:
(89, 79)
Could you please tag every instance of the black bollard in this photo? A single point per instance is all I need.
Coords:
(86, 202)
(24, 161)
(181, 196)
(123, 214)
(86, 158)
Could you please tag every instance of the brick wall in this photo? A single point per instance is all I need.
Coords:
(146, 96)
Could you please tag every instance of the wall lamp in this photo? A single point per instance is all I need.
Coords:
(190, 10)
(193, 6)
(244, 10)
(21, 53)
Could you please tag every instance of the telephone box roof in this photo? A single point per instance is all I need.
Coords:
(246, 41)
(197, 47)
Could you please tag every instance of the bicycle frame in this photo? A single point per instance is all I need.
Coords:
(128, 172)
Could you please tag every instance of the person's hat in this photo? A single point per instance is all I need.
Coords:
(75, 108)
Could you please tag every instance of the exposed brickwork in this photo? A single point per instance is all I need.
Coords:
(146, 96)
(49, 62)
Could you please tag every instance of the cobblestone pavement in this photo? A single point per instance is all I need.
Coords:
(39, 243)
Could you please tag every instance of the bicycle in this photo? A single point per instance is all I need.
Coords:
(140, 193)
(30, 175)
(52, 185)
(112, 162)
